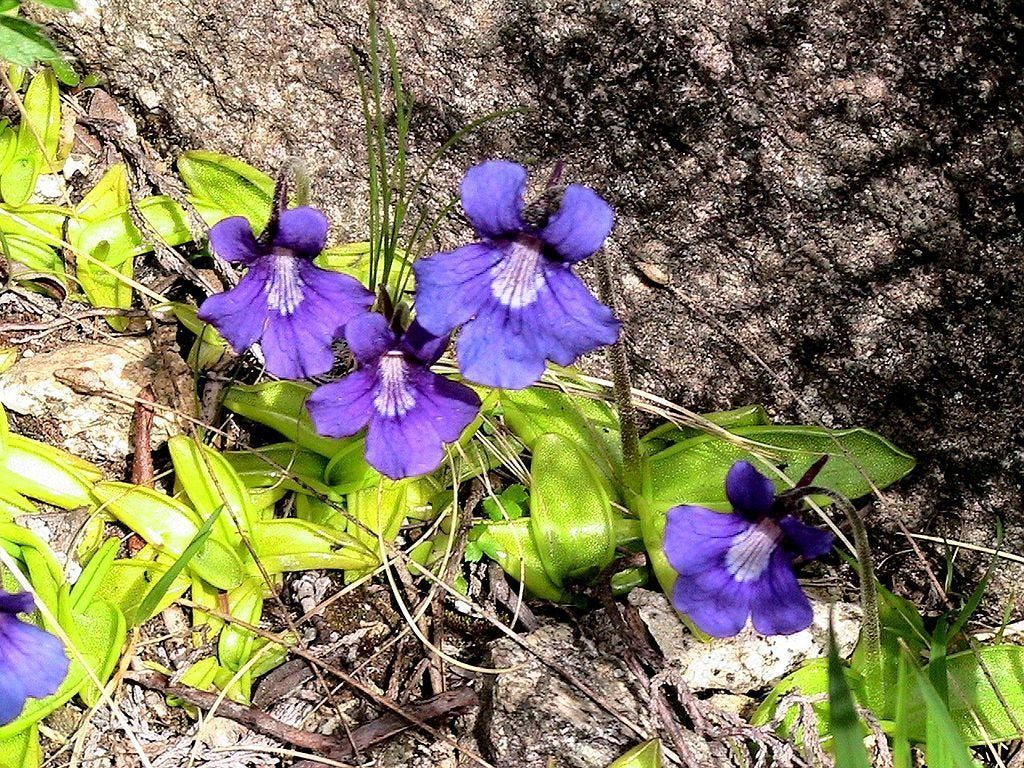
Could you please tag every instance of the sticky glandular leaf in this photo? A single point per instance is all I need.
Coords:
(223, 186)
(571, 518)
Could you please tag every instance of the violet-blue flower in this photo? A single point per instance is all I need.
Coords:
(410, 412)
(515, 293)
(740, 564)
(292, 307)
(32, 661)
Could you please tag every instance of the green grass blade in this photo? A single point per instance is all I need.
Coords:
(844, 724)
(944, 748)
(157, 592)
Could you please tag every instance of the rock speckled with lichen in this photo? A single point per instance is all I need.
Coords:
(832, 190)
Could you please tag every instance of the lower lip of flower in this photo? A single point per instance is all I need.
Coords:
(517, 279)
(393, 397)
(284, 288)
(751, 550)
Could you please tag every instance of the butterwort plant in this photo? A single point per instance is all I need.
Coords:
(32, 661)
(739, 565)
(514, 293)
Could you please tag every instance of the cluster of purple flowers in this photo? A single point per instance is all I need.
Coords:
(32, 661)
(516, 304)
(512, 296)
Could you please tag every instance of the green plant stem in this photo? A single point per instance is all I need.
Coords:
(622, 382)
(871, 628)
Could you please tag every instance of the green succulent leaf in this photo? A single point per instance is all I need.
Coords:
(245, 603)
(646, 755)
(281, 405)
(38, 134)
(94, 573)
(107, 197)
(115, 241)
(170, 527)
(46, 473)
(101, 634)
(974, 707)
(211, 483)
(512, 547)
(297, 545)
(571, 517)
(223, 186)
(693, 471)
(591, 423)
(22, 749)
(669, 434)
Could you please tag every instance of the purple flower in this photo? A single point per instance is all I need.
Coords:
(411, 411)
(515, 291)
(740, 564)
(293, 308)
(32, 661)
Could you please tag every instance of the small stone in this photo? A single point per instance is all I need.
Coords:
(94, 426)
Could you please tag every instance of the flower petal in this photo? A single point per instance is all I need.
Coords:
(12, 697)
(369, 337)
(330, 300)
(507, 346)
(343, 407)
(714, 601)
(302, 230)
(580, 226)
(406, 445)
(492, 196)
(453, 405)
(750, 493)
(17, 602)
(420, 343)
(806, 540)
(233, 240)
(241, 313)
(295, 349)
(778, 605)
(571, 320)
(32, 663)
(500, 348)
(452, 286)
(697, 539)
(412, 443)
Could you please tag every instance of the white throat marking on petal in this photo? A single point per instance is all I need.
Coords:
(751, 550)
(284, 288)
(394, 398)
(517, 279)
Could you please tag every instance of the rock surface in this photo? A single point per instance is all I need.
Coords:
(831, 188)
(533, 717)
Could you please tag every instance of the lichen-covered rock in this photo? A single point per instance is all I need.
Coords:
(831, 189)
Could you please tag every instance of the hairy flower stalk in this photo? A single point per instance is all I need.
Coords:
(622, 383)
